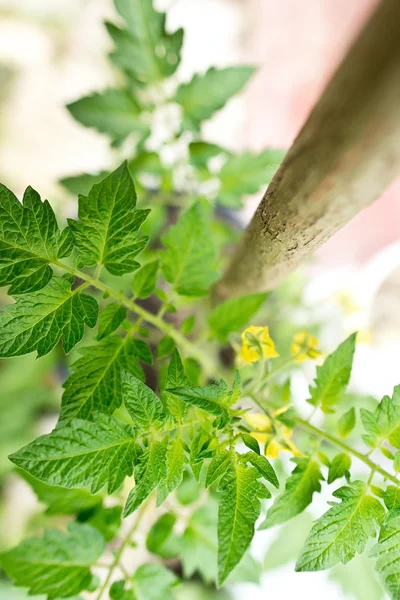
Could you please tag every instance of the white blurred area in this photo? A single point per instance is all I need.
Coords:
(53, 51)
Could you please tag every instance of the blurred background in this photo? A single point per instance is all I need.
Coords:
(54, 51)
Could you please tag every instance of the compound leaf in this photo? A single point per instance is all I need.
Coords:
(82, 454)
(339, 466)
(38, 320)
(56, 564)
(95, 382)
(387, 554)
(201, 97)
(343, 531)
(300, 487)
(190, 255)
(30, 241)
(384, 423)
(333, 376)
(143, 405)
(107, 232)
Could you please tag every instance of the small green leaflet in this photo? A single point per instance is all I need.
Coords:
(175, 466)
(151, 581)
(144, 50)
(343, 531)
(300, 487)
(95, 382)
(221, 462)
(110, 319)
(199, 451)
(150, 472)
(82, 454)
(234, 314)
(38, 320)
(201, 97)
(218, 467)
(176, 378)
(339, 466)
(391, 497)
(214, 399)
(145, 280)
(114, 112)
(161, 539)
(387, 554)
(143, 405)
(347, 422)
(57, 564)
(333, 376)
(251, 442)
(107, 232)
(239, 509)
(384, 423)
(29, 241)
(245, 174)
(190, 255)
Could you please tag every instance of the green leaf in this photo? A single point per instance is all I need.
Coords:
(143, 405)
(391, 497)
(95, 382)
(114, 112)
(262, 465)
(199, 450)
(150, 582)
(145, 280)
(110, 319)
(293, 533)
(213, 398)
(161, 539)
(239, 509)
(175, 467)
(387, 554)
(347, 423)
(108, 230)
(357, 579)
(245, 174)
(218, 467)
(38, 320)
(82, 183)
(201, 97)
(339, 466)
(189, 259)
(251, 442)
(343, 531)
(176, 378)
(165, 346)
(234, 314)
(201, 152)
(144, 50)
(57, 564)
(30, 241)
(82, 454)
(384, 423)
(149, 473)
(333, 376)
(300, 487)
(107, 520)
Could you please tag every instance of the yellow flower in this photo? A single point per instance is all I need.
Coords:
(274, 441)
(281, 441)
(257, 344)
(304, 346)
(258, 421)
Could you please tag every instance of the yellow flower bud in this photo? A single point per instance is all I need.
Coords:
(304, 346)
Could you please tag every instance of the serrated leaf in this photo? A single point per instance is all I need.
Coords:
(176, 378)
(387, 554)
(110, 319)
(30, 241)
(234, 314)
(343, 531)
(384, 423)
(347, 423)
(150, 472)
(175, 466)
(82, 454)
(391, 498)
(56, 564)
(107, 232)
(300, 487)
(333, 376)
(141, 402)
(262, 465)
(200, 444)
(145, 280)
(38, 320)
(245, 174)
(189, 258)
(213, 398)
(239, 509)
(144, 50)
(201, 97)
(113, 111)
(218, 467)
(339, 466)
(95, 382)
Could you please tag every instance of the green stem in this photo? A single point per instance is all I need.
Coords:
(183, 343)
(334, 441)
(126, 540)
